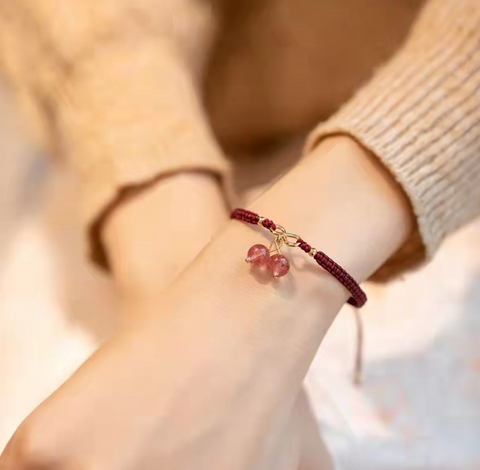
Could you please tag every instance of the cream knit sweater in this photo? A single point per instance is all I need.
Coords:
(114, 87)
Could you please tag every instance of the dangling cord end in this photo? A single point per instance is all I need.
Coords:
(358, 367)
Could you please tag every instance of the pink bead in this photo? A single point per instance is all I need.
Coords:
(278, 265)
(258, 255)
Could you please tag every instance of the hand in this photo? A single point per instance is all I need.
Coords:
(216, 377)
(148, 253)
(166, 395)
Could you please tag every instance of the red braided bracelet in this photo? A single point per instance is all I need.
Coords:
(259, 255)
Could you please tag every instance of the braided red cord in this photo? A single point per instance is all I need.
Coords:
(358, 296)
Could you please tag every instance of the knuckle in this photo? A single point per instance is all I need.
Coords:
(31, 449)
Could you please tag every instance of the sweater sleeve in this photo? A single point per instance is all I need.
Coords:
(112, 86)
(420, 115)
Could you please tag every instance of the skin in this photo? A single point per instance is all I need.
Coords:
(212, 367)
(207, 370)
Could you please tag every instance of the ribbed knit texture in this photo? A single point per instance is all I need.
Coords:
(420, 115)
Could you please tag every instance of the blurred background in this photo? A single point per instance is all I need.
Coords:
(55, 309)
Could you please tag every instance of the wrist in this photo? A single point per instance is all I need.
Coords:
(345, 203)
(341, 201)
(277, 326)
(221, 286)
(159, 229)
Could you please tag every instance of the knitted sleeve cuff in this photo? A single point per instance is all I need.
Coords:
(126, 116)
(420, 115)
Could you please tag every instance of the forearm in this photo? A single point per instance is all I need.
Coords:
(341, 201)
